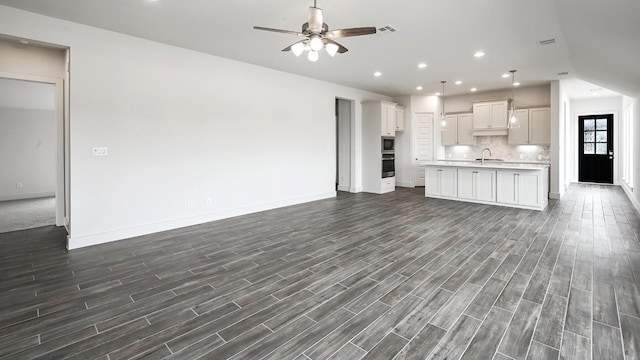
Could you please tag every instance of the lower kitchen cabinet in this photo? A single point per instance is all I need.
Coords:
(525, 188)
(441, 181)
(477, 184)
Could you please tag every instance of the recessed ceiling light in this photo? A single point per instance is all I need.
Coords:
(478, 54)
(418, 87)
(377, 74)
(516, 84)
(422, 65)
(474, 89)
(24, 42)
(504, 76)
(458, 82)
(437, 94)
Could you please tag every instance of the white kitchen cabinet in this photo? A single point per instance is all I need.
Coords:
(388, 119)
(524, 188)
(400, 118)
(490, 114)
(441, 181)
(459, 130)
(465, 129)
(535, 127)
(515, 185)
(378, 120)
(540, 126)
(476, 184)
(450, 131)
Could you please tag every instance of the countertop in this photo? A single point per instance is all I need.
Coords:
(489, 164)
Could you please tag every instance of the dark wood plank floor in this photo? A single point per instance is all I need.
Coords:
(362, 276)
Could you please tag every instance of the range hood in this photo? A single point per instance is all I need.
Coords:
(502, 131)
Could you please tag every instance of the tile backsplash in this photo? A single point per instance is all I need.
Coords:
(500, 149)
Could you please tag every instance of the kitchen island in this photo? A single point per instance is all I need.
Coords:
(522, 185)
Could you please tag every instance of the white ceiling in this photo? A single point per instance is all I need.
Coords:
(595, 40)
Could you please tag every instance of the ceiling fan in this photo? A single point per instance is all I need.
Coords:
(318, 36)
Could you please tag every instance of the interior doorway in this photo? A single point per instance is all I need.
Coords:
(343, 144)
(32, 191)
(595, 148)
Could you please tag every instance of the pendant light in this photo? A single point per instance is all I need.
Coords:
(514, 123)
(443, 115)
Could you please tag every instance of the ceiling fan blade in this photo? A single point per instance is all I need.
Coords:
(277, 30)
(341, 49)
(288, 48)
(351, 32)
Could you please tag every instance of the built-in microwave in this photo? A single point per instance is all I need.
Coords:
(388, 144)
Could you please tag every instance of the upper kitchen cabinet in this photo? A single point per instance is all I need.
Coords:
(535, 127)
(459, 130)
(490, 116)
(380, 115)
(400, 118)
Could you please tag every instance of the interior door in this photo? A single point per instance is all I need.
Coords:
(423, 145)
(595, 159)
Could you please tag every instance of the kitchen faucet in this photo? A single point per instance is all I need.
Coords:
(483, 150)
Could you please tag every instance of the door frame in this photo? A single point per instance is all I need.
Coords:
(62, 141)
(574, 146)
(414, 128)
(352, 187)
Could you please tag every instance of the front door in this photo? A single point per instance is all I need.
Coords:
(423, 145)
(595, 160)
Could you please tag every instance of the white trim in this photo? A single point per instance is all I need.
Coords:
(355, 189)
(27, 196)
(343, 188)
(555, 195)
(407, 184)
(109, 236)
(629, 192)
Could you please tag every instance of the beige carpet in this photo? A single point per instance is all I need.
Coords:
(27, 214)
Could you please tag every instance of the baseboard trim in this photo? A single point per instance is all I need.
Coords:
(343, 187)
(75, 242)
(555, 195)
(629, 192)
(355, 189)
(407, 184)
(27, 196)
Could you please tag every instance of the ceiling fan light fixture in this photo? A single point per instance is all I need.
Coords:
(332, 49)
(315, 42)
(313, 56)
(298, 48)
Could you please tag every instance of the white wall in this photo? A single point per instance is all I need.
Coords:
(594, 106)
(182, 127)
(27, 153)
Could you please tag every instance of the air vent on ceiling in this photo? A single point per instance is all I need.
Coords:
(387, 29)
(547, 42)
(563, 73)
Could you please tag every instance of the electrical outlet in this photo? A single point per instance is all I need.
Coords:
(100, 151)
(209, 202)
(18, 185)
(190, 204)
